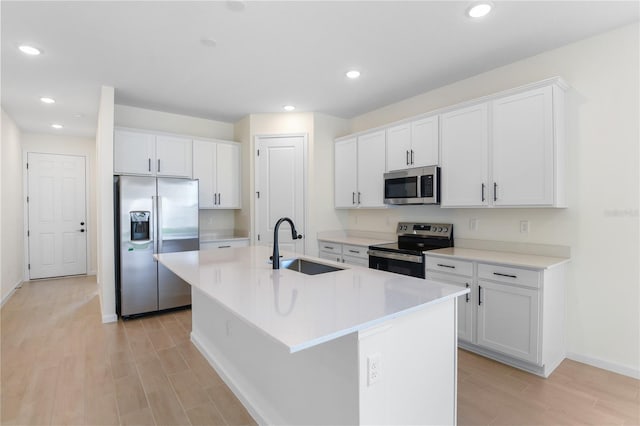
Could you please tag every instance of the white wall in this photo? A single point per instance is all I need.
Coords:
(601, 223)
(104, 205)
(57, 144)
(140, 118)
(11, 207)
(320, 130)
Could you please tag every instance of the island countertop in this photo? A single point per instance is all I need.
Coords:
(298, 310)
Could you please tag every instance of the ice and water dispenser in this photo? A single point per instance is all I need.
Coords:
(140, 225)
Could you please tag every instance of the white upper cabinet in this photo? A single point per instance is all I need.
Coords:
(465, 137)
(371, 168)
(346, 176)
(359, 167)
(217, 166)
(173, 156)
(143, 153)
(399, 147)
(523, 149)
(134, 153)
(506, 152)
(413, 144)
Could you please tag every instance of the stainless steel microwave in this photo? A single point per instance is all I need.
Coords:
(420, 185)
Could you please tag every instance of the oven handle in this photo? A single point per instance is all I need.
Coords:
(396, 256)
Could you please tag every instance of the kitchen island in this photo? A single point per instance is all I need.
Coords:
(353, 346)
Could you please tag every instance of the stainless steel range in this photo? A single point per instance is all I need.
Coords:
(407, 255)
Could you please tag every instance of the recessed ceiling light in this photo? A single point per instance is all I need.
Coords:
(353, 74)
(29, 50)
(289, 107)
(56, 126)
(208, 41)
(48, 100)
(479, 10)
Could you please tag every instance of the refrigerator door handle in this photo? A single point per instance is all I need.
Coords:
(159, 222)
(153, 226)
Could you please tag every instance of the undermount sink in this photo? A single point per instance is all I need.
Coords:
(307, 266)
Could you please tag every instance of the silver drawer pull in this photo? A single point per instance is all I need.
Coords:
(505, 275)
(354, 251)
(224, 246)
(327, 247)
(446, 266)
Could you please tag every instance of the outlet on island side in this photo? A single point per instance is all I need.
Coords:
(524, 226)
(373, 368)
(473, 224)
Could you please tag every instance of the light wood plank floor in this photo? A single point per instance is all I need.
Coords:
(61, 365)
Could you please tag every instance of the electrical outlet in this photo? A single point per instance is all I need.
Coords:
(524, 226)
(473, 224)
(373, 368)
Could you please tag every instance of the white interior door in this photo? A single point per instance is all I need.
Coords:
(57, 215)
(280, 185)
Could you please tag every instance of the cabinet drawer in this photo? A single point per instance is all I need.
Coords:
(451, 266)
(223, 244)
(352, 260)
(506, 274)
(355, 251)
(329, 247)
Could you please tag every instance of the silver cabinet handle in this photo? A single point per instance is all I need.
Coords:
(327, 247)
(407, 160)
(358, 197)
(224, 246)
(158, 165)
(479, 295)
(354, 251)
(483, 192)
(495, 191)
(149, 164)
(467, 295)
(411, 156)
(219, 198)
(353, 198)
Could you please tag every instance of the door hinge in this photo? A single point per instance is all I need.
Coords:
(28, 234)
(258, 237)
(258, 153)
(258, 194)
(27, 199)
(27, 165)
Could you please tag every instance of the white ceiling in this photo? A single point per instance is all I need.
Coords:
(267, 54)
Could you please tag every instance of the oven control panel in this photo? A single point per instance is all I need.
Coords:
(425, 229)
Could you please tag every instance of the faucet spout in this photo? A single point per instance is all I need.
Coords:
(294, 235)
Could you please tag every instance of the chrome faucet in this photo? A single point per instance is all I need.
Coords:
(276, 252)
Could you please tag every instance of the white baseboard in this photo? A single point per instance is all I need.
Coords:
(109, 318)
(606, 365)
(6, 298)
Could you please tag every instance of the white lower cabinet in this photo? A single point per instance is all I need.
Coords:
(508, 320)
(512, 314)
(344, 253)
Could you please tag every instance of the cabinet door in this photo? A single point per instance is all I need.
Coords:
(399, 147)
(133, 153)
(204, 169)
(424, 142)
(345, 163)
(508, 320)
(228, 175)
(173, 156)
(522, 150)
(371, 167)
(466, 306)
(464, 158)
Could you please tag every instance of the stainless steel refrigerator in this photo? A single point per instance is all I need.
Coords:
(152, 215)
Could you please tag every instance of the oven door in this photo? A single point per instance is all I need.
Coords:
(399, 263)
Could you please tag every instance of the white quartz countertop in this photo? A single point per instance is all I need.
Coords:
(298, 310)
(341, 238)
(514, 259)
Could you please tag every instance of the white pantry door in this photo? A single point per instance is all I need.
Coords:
(280, 185)
(57, 215)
